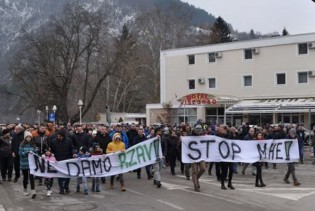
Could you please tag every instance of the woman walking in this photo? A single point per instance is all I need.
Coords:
(259, 182)
(27, 146)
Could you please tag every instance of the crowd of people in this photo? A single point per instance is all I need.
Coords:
(57, 143)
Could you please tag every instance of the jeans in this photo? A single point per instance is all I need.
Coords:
(49, 183)
(82, 180)
(95, 184)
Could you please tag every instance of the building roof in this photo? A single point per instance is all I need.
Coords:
(256, 43)
(288, 105)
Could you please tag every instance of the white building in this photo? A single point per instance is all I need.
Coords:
(258, 81)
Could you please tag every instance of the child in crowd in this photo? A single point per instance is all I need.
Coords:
(48, 156)
(83, 153)
(27, 146)
(96, 150)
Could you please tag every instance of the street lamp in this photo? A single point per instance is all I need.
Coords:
(47, 109)
(38, 113)
(80, 104)
(54, 108)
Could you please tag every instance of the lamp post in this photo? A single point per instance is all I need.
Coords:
(54, 108)
(80, 104)
(46, 109)
(38, 115)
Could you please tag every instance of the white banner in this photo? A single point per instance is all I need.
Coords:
(216, 149)
(140, 155)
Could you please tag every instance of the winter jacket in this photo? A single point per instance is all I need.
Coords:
(81, 140)
(5, 146)
(16, 141)
(138, 139)
(115, 146)
(23, 152)
(41, 141)
(131, 135)
(102, 140)
(62, 149)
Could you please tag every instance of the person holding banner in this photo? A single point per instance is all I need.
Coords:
(197, 168)
(226, 166)
(95, 151)
(83, 153)
(158, 164)
(48, 156)
(259, 182)
(63, 149)
(115, 146)
(27, 146)
(291, 166)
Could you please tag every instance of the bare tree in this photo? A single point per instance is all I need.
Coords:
(64, 62)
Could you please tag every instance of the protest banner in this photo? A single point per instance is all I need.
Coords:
(216, 149)
(140, 155)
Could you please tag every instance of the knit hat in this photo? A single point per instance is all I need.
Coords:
(27, 133)
(198, 126)
(157, 129)
(116, 135)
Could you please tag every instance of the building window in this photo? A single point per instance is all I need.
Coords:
(248, 54)
(280, 78)
(302, 77)
(212, 83)
(191, 84)
(211, 57)
(247, 80)
(303, 48)
(191, 59)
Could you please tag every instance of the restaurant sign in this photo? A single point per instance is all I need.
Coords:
(198, 99)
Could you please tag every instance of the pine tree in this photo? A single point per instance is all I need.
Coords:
(220, 31)
(285, 32)
(252, 34)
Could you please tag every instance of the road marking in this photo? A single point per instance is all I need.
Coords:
(293, 194)
(213, 196)
(170, 186)
(2, 207)
(170, 204)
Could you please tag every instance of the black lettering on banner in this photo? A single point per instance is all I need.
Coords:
(271, 150)
(87, 167)
(227, 147)
(156, 145)
(287, 146)
(107, 164)
(278, 150)
(69, 169)
(39, 164)
(131, 162)
(97, 164)
(262, 152)
(192, 149)
(49, 169)
(235, 149)
(208, 145)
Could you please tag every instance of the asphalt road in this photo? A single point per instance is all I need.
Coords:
(176, 194)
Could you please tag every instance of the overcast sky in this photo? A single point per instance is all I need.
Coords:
(265, 16)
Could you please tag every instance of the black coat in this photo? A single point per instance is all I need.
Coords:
(171, 146)
(81, 139)
(16, 141)
(5, 146)
(63, 149)
(102, 140)
(137, 139)
(131, 135)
